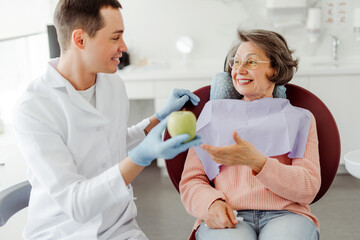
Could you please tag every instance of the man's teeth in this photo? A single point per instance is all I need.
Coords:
(116, 59)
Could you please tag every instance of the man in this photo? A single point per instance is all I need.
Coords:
(71, 126)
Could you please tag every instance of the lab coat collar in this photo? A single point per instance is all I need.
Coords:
(52, 77)
(55, 80)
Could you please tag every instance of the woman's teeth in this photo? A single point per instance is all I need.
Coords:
(243, 81)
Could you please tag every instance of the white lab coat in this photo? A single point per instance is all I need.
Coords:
(73, 151)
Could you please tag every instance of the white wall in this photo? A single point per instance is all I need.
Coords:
(152, 27)
(23, 17)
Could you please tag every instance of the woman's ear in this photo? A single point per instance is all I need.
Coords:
(78, 38)
(275, 72)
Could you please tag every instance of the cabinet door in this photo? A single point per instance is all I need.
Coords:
(341, 96)
(140, 89)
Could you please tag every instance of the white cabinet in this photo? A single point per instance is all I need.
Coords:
(340, 93)
(338, 87)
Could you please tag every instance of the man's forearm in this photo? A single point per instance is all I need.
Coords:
(153, 122)
(129, 170)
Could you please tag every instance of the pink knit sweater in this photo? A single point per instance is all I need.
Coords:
(282, 184)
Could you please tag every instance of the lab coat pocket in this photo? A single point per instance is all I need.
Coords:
(48, 226)
(68, 228)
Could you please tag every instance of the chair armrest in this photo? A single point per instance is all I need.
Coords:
(13, 199)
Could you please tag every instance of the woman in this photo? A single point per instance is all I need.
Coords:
(269, 172)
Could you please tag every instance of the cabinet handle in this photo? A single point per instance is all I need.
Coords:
(2, 164)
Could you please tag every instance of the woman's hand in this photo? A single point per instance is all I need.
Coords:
(220, 215)
(240, 153)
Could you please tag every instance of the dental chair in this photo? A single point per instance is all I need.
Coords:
(13, 199)
(328, 136)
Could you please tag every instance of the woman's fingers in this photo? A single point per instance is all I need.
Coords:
(213, 151)
(219, 216)
(236, 137)
(225, 221)
(231, 215)
(219, 154)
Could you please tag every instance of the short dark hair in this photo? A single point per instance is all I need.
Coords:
(276, 49)
(85, 14)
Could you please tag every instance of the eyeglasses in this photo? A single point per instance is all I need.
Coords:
(250, 63)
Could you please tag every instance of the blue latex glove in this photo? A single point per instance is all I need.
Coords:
(153, 147)
(176, 101)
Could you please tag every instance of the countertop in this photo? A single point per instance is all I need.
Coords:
(166, 71)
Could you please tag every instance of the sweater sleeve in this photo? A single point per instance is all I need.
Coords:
(300, 181)
(196, 192)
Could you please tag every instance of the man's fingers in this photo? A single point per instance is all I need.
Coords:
(194, 99)
(195, 142)
(183, 99)
(177, 140)
(160, 127)
(184, 92)
(195, 103)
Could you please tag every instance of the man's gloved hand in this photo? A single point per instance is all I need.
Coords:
(153, 147)
(176, 101)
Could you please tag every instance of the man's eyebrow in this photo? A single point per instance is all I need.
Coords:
(118, 31)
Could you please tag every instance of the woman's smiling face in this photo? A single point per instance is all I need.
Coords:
(252, 83)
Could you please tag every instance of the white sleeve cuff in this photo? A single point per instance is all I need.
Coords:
(143, 124)
(136, 134)
(117, 184)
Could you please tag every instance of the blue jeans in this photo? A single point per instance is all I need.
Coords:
(264, 225)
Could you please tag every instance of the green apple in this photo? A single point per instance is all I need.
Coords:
(181, 122)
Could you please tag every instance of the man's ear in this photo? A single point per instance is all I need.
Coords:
(78, 38)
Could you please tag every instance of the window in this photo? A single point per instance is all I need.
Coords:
(21, 61)
(24, 49)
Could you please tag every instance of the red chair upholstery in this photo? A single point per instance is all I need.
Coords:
(328, 135)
